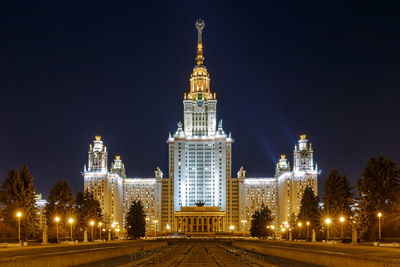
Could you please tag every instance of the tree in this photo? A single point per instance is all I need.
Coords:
(136, 220)
(18, 194)
(87, 208)
(337, 195)
(309, 210)
(377, 192)
(60, 202)
(259, 222)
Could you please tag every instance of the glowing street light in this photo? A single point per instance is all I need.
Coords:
(299, 224)
(92, 224)
(273, 229)
(71, 221)
(19, 215)
(155, 227)
(113, 225)
(379, 222)
(231, 227)
(100, 224)
(341, 219)
(168, 227)
(328, 222)
(57, 219)
(308, 226)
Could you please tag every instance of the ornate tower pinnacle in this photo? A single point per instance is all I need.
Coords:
(199, 26)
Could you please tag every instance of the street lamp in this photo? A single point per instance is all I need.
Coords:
(113, 228)
(328, 222)
(379, 222)
(299, 224)
(57, 219)
(243, 224)
(308, 226)
(71, 221)
(91, 224)
(100, 224)
(147, 225)
(19, 215)
(273, 229)
(341, 219)
(117, 230)
(155, 227)
(168, 227)
(231, 227)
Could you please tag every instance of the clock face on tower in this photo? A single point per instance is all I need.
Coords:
(304, 154)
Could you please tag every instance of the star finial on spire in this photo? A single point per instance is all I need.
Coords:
(199, 26)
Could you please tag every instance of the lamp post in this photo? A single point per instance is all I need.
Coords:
(71, 221)
(243, 225)
(155, 227)
(147, 225)
(273, 229)
(117, 230)
(328, 222)
(19, 215)
(379, 224)
(91, 224)
(168, 227)
(308, 226)
(100, 224)
(341, 219)
(57, 219)
(299, 224)
(113, 229)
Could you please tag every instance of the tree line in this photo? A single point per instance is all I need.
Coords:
(343, 210)
(17, 194)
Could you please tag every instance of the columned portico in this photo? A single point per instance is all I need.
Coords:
(200, 220)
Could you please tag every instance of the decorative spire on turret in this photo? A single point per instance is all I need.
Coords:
(199, 26)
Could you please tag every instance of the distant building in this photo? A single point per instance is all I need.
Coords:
(200, 194)
(40, 205)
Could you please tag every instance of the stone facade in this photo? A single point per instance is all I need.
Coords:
(200, 194)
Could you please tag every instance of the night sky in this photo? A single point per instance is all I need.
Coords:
(74, 70)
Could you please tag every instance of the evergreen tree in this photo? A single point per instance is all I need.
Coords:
(18, 194)
(60, 202)
(337, 195)
(30, 222)
(87, 208)
(259, 222)
(309, 210)
(377, 189)
(136, 220)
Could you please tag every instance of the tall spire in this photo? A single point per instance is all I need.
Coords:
(199, 26)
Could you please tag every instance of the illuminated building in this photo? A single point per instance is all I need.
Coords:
(200, 194)
(114, 191)
(283, 192)
(40, 205)
(200, 151)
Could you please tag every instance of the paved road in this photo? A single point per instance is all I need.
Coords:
(387, 253)
(195, 253)
(26, 252)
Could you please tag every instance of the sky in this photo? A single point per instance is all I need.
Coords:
(73, 70)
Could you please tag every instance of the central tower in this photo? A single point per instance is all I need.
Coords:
(200, 151)
(200, 104)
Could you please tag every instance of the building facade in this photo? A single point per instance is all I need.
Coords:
(200, 194)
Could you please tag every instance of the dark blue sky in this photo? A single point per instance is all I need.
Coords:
(74, 70)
